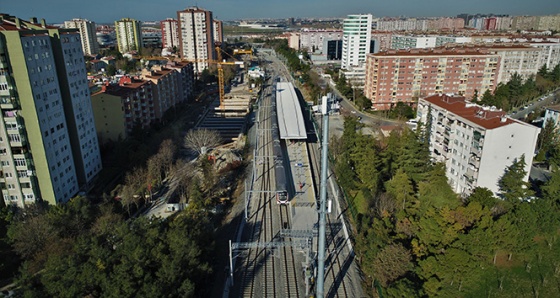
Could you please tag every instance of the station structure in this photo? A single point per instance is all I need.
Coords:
(290, 116)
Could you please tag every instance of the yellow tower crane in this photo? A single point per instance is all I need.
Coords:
(243, 52)
(219, 63)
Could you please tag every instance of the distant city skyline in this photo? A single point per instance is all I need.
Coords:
(104, 11)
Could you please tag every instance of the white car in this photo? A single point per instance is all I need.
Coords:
(353, 112)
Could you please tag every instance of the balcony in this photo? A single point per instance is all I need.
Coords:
(471, 172)
(8, 101)
(476, 151)
(470, 180)
(17, 139)
(474, 162)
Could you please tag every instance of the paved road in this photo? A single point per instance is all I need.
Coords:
(551, 98)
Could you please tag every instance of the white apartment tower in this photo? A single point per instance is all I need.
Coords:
(218, 31)
(356, 44)
(356, 39)
(87, 34)
(129, 35)
(48, 142)
(476, 143)
(169, 33)
(196, 36)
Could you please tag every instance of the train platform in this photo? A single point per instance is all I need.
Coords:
(303, 204)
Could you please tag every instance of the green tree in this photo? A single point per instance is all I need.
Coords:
(551, 189)
(487, 98)
(412, 155)
(548, 136)
(512, 185)
(543, 71)
(435, 190)
(400, 187)
(555, 74)
(401, 111)
(365, 157)
(474, 99)
(391, 263)
(344, 172)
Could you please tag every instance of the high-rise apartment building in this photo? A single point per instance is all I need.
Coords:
(412, 42)
(402, 75)
(129, 35)
(218, 31)
(382, 39)
(524, 58)
(48, 142)
(165, 88)
(196, 37)
(356, 44)
(445, 23)
(356, 38)
(169, 33)
(476, 143)
(550, 22)
(186, 80)
(87, 34)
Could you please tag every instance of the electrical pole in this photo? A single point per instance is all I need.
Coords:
(323, 202)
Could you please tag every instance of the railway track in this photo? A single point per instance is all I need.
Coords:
(258, 270)
(335, 284)
(266, 271)
(291, 286)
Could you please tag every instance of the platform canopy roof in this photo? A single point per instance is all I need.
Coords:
(290, 116)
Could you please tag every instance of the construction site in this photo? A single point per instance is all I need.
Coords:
(228, 111)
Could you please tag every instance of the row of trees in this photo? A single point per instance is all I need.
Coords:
(142, 181)
(417, 238)
(300, 69)
(517, 92)
(349, 91)
(82, 250)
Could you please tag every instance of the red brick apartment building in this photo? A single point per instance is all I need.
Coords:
(404, 75)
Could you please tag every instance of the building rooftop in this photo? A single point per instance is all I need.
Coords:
(12, 23)
(487, 117)
(126, 86)
(290, 117)
(430, 52)
(491, 46)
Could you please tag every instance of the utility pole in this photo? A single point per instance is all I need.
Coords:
(323, 202)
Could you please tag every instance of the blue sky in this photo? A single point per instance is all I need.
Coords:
(103, 11)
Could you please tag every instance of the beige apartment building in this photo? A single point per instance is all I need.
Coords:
(404, 75)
